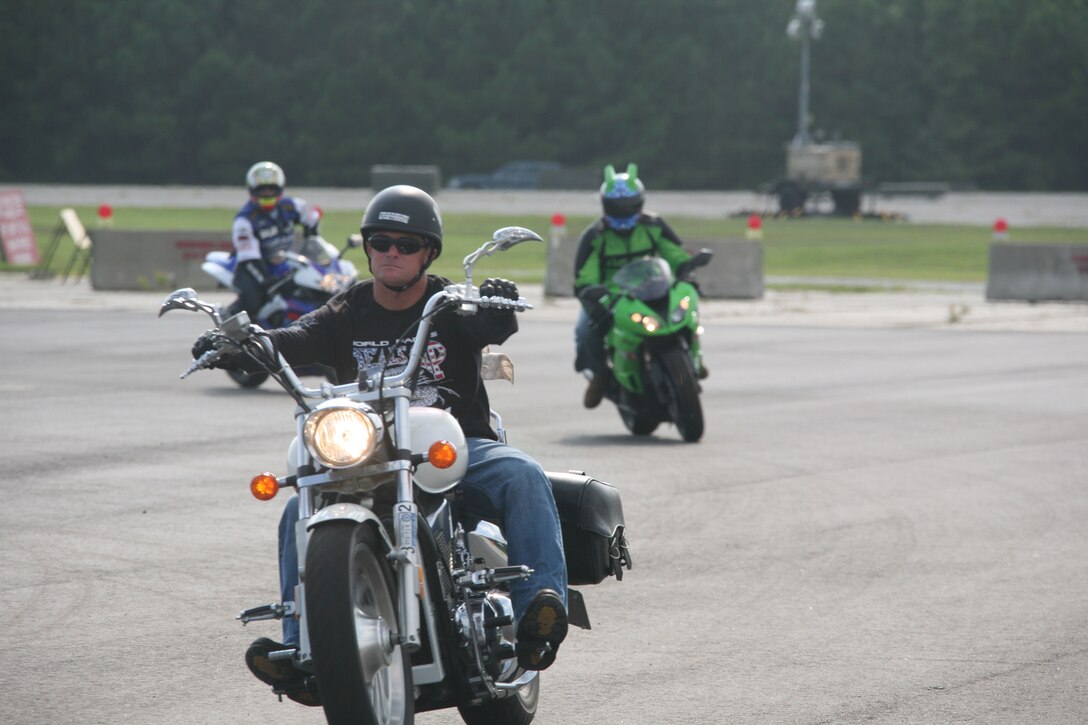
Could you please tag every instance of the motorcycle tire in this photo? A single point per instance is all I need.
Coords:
(351, 614)
(684, 407)
(247, 380)
(520, 709)
(637, 424)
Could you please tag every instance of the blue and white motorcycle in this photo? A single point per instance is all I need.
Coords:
(305, 280)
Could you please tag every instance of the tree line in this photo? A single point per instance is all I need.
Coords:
(700, 93)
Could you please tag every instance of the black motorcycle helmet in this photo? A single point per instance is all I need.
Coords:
(404, 208)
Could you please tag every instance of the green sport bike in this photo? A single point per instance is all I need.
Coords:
(652, 344)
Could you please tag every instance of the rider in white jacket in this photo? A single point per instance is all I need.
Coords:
(264, 230)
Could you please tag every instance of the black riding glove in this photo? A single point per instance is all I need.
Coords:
(308, 231)
(593, 299)
(206, 342)
(229, 358)
(599, 316)
(496, 287)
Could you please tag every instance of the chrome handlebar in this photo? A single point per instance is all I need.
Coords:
(465, 297)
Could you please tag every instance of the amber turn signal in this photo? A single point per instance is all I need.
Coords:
(264, 486)
(442, 454)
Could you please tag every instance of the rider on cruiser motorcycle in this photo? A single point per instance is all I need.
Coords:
(623, 233)
(372, 325)
(263, 230)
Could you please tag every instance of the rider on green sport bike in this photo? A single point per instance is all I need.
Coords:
(627, 234)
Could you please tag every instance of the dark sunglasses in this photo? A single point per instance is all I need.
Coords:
(382, 243)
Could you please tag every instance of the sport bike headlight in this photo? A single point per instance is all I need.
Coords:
(649, 322)
(334, 283)
(342, 436)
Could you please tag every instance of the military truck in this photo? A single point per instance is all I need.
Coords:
(816, 169)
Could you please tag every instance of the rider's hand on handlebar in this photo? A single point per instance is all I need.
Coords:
(211, 340)
(599, 316)
(206, 342)
(593, 302)
(497, 287)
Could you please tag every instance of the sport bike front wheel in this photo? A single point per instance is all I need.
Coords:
(637, 424)
(350, 610)
(683, 393)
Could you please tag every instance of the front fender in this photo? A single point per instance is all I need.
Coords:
(341, 511)
(345, 512)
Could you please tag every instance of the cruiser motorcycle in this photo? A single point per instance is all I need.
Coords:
(653, 345)
(401, 610)
(305, 280)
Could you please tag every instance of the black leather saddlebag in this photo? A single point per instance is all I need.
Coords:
(591, 517)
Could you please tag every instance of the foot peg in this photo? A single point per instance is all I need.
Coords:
(268, 611)
(487, 578)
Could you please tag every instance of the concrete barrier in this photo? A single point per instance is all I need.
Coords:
(151, 260)
(1036, 272)
(559, 275)
(735, 272)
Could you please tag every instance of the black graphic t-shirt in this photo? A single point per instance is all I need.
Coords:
(353, 333)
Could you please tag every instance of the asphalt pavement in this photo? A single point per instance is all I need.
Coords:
(884, 522)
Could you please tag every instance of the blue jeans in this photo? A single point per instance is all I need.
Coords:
(503, 486)
(588, 346)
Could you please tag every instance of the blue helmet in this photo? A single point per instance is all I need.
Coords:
(621, 197)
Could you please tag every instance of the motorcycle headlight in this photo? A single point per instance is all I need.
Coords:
(332, 283)
(651, 323)
(342, 436)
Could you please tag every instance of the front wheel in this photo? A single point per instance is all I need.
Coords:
(350, 610)
(638, 424)
(682, 387)
(516, 710)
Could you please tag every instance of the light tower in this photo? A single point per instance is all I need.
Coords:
(807, 27)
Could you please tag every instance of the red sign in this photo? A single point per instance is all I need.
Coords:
(198, 248)
(16, 234)
(1081, 260)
